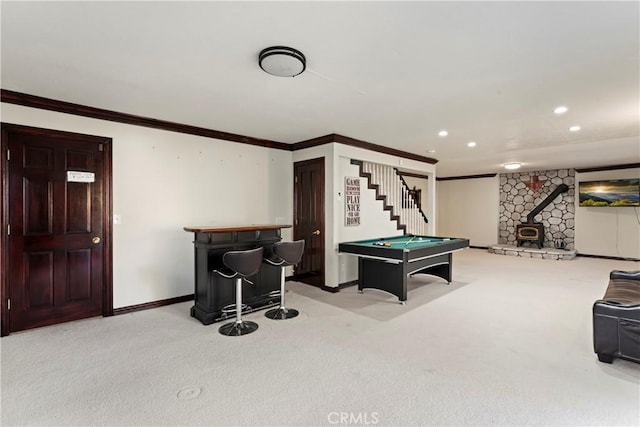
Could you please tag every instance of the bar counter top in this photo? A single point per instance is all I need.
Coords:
(229, 228)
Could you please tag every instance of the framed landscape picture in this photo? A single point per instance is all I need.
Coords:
(610, 193)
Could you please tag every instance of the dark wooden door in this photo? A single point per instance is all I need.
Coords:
(309, 219)
(58, 232)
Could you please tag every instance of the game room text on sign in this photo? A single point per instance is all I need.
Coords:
(352, 201)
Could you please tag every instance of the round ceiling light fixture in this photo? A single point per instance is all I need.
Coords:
(282, 61)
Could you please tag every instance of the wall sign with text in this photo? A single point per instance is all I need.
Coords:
(351, 201)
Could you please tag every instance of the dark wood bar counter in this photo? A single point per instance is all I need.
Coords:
(212, 292)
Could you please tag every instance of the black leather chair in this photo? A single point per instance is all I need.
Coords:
(284, 255)
(616, 318)
(240, 265)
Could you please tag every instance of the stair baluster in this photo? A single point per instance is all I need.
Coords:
(394, 193)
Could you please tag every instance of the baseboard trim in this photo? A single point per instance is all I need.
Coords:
(348, 284)
(336, 289)
(153, 304)
(617, 258)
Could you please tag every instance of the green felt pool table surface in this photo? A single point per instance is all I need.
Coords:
(404, 242)
(385, 263)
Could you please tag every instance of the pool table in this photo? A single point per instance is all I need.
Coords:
(385, 263)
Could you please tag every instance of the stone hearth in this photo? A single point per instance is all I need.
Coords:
(527, 252)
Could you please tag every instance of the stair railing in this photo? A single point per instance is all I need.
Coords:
(392, 189)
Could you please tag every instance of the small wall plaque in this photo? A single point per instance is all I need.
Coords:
(76, 176)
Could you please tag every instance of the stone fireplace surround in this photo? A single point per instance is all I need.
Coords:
(517, 200)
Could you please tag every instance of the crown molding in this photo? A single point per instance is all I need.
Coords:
(411, 174)
(33, 101)
(609, 168)
(451, 178)
(341, 139)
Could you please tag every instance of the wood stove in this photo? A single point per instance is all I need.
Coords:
(531, 231)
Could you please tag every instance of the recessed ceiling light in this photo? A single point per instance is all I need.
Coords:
(512, 165)
(574, 128)
(560, 109)
(443, 133)
(471, 144)
(431, 151)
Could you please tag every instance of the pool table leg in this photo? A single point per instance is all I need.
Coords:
(388, 277)
(444, 270)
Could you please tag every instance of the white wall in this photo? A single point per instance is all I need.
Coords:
(164, 181)
(375, 222)
(344, 153)
(607, 231)
(334, 186)
(469, 208)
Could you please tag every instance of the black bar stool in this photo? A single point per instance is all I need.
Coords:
(240, 265)
(284, 255)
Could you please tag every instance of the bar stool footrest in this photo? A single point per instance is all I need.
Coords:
(229, 310)
(274, 294)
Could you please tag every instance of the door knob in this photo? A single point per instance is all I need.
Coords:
(316, 233)
(95, 240)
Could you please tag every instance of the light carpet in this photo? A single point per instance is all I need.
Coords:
(509, 342)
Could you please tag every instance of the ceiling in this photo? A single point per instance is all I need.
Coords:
(389, 73)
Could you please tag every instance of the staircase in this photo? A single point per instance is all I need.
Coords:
(394, 193)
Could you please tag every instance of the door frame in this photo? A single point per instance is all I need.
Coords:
(107, 257)
(322, 161)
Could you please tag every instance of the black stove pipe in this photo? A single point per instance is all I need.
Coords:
(559, 190)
